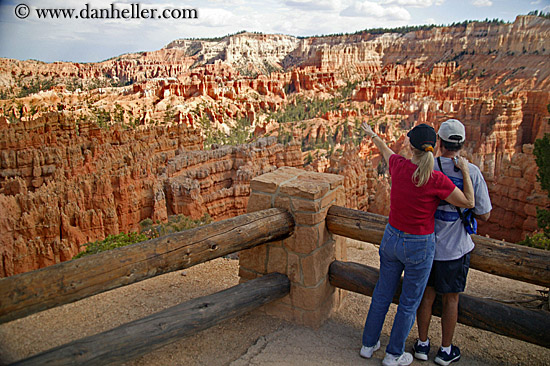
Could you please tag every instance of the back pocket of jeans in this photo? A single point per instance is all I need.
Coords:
(416, 250)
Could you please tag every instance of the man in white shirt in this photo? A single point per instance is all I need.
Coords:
(452, 250)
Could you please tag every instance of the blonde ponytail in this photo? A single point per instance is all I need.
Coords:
(425, 164)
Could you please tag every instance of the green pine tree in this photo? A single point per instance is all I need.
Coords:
(542, 158)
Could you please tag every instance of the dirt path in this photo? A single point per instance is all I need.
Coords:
(255, 339)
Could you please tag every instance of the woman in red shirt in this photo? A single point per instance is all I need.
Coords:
(408, 244)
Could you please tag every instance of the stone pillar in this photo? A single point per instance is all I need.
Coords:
(306, 255)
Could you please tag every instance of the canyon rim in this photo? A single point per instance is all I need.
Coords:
(93, 149)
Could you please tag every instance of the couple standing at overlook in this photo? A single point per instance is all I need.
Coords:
(426, 239)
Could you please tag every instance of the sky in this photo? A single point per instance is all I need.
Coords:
(90, 31)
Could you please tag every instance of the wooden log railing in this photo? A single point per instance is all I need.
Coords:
(511, 321)
(142, 336)
(66, 282)
(496, 257)
(30, 292)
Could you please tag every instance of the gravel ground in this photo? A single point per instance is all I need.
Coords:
(256, 339)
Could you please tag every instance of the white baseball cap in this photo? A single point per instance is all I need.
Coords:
(452, 130)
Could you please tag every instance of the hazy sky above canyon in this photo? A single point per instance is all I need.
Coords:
(24, 35)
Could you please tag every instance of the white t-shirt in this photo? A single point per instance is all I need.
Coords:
(452, 240)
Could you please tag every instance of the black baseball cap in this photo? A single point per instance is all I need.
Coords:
(422, 135)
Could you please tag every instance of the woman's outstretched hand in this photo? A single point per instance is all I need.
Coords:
(378, 142)
(368, 129)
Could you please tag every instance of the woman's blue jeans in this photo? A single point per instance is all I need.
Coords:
(399, 252)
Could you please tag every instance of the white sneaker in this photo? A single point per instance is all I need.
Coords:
(367, 352)
(403, 360)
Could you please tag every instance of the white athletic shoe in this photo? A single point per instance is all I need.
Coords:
(367, 352)
(403, 360)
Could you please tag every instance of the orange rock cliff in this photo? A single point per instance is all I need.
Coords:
(110, 144)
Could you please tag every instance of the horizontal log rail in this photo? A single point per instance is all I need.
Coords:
(66, 282)
(496, 257)
(511, 321)
(134, 339)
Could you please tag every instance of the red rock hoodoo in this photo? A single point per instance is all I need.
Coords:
(106, 145)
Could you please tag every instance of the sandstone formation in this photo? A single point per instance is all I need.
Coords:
(89, 150)
(65, 184)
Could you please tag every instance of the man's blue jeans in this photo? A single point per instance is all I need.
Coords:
(399, 252)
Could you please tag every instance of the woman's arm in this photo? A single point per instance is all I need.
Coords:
(378, 142)
(458, 199)
(464, 199)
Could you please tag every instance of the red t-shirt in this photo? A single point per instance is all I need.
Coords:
(412, 208)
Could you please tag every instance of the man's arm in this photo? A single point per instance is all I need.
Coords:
(484, 217)
(483, 202)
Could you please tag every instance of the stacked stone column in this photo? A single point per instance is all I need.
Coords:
(306, 255)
